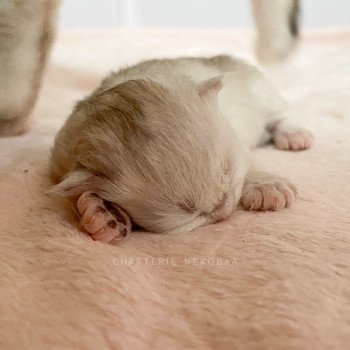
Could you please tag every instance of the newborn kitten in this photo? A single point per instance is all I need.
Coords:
(166, 143)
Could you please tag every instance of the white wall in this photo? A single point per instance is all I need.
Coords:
(189, 13)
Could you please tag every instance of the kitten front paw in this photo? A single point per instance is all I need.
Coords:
(262, 191)
(293, 140)
(102, 220)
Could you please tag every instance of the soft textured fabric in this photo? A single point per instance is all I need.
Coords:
(276, 280)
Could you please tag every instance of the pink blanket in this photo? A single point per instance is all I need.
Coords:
(257, 281)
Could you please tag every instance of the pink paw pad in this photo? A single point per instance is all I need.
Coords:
(293, 140)
(102, 220)
(268, 196)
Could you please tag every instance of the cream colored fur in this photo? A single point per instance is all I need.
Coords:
(156, 140)
(160, 146)
(277, 23)
(26, 32)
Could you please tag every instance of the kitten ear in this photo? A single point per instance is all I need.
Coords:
(211, 85)
(74, 184)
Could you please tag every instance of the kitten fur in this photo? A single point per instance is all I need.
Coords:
(169, 140)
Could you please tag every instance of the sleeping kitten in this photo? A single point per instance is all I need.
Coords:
(165, 144)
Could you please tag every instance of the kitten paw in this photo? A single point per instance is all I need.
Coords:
(102, 220)
(263, 192)
(294, 140)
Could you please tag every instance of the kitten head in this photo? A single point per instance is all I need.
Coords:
(163, 152)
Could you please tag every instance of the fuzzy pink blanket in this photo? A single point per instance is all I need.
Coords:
(257, 281)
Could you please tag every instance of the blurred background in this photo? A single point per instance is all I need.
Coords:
(83, 14)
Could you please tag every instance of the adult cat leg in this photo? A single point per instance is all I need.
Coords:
(277, 23)
(26, 33)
